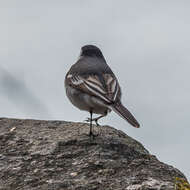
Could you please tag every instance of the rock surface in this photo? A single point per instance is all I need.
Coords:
(58, 155)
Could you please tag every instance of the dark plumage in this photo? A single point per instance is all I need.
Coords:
(91, 51)
(92, 86)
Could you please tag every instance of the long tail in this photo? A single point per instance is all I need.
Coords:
(125, 114)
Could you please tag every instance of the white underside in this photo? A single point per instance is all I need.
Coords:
(86, 102)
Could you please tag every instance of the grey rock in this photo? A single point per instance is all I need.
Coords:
(59, 155)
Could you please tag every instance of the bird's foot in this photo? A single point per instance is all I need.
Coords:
(92, 135)
(88, 120)
(95, 120)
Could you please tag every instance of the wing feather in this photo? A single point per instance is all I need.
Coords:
(93, 86)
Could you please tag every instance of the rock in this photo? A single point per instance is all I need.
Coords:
(59, 155)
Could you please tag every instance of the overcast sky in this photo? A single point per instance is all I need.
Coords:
(145, 42)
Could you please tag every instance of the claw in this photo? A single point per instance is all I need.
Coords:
(96, 121)
(90, 120)
(87, 119)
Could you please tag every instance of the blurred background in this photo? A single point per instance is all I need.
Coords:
(145, 42)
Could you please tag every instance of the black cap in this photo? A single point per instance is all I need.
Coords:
(91, 51)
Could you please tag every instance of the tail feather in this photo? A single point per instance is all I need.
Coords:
(125, 114)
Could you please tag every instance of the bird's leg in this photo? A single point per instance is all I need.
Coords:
(90, 134)
(96, 120)
(97, 124)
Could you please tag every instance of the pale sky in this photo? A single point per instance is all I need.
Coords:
(145, 42)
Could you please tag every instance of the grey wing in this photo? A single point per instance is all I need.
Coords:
(92, 85)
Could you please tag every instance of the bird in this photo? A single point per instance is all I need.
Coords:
(91, 86)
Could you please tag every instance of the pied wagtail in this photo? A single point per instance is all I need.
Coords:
(92, 86)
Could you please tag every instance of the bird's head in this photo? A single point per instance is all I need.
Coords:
(91, 51)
